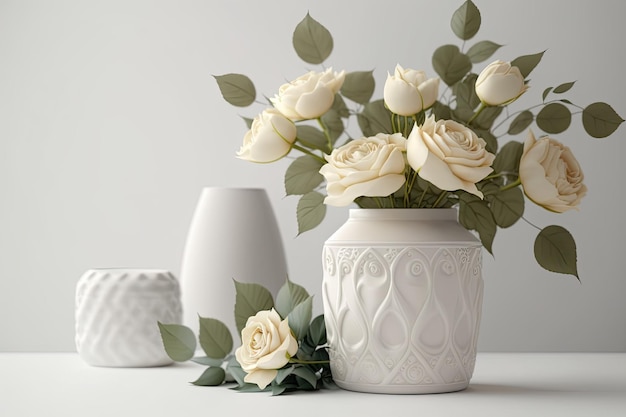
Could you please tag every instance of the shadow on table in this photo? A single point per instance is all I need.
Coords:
(509, 390)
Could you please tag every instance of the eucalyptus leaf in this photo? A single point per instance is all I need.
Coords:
(482, 50)
(206, 361)
(235, 370)
(600, 120)
(179, 341)
(441, 111)
(237, 89)
(487, 117)
(474, 214)
(300, 317)
(334, 125)
(507, 160)
(466, 20)
(487, 136)
(289, 296)
(250, 298)
(545, 93)
(339, 105)
(312, 41)
(211, 377)
(283, 373)
(312, 138)
(564, 87)
(310, 211)
(359, 86)
(521, 122)
(507, 207)
(306, 374)
(554, 118)
(451, 64)
(555, 250)
(316, 334)
(526, 63)
(302, 175)
(215, 338)
(248, 121)
(374, 118)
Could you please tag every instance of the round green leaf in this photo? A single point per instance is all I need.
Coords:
(466, 20)
(302, 176)
(600, 120)
(211, 377)
(507, 159)
(482, 50)
(521, 122)
(237, 89)
(310, 212)
(451, 64)
(555, 250)
(359, 86)
(554, 118)
(312, 138)
(374, 118)
(178, 340)
(215, 338)
(507, 207)
(312, 41)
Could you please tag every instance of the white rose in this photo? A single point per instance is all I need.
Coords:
(551, 175)
(308, 96)
(372, 167)
(500, 83)
(267, 345)
(449, 155)
(270, 137)
(407, 91)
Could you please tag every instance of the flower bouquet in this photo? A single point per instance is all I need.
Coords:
(421, 147)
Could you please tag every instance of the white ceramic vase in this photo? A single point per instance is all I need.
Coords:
(233, 236)
(116, 314)
(402, 293)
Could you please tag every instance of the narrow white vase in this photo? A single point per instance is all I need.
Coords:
(117, 311)
(233, 236)
(402, 294)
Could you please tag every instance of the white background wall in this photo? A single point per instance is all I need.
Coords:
(111, 124)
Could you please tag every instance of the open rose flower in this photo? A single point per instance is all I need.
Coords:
(500, 83)
(270, 137)
(267, 345)
(407, 91)
(308, 96)
(551, 175)
(372, 167)
(449, 155)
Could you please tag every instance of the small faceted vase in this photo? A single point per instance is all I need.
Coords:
(233, 236)
(402, 293)
(117, 314)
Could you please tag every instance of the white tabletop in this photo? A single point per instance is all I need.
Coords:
(504, 384)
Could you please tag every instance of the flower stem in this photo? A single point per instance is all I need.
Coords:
(308, 152)
(301, 362)
(480, 110)
(511, 185)
(440, 198)
(326, 133)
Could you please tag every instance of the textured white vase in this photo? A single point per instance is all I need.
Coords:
(402, 293)
(233, 236)
(117, 311)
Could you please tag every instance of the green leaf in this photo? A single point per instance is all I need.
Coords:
(250, 298)
(466, 21)
(211, 377)
(507, 160)
(482, 50)
(466, 98)
(555, 250)
(339, 105)
(451, 64)
(206, 361)
(310, 211)
(248, 121)
(474, 214)
(521, 122)
(215, 338)
(312, 41)
(359, 86)
(234, 369)
(545, 93)
(564, 87)
(300, 318)
(178, 340)
(487, 136)
(289, 296)
(313, 138)
(332, 120)
(527, 63)
(554, 118)
(283, 373)
(507, 206)
(306, 374)
(487, 117)
(317, 331)
(302, 176)
(375, 118)
(600, 120)
(441, 111)
(237, 89)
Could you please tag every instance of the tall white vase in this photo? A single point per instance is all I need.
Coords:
(233, 236)
(402, 296)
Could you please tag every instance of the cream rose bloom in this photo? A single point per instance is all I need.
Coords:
(500, 83)
(449, 155)
(550, 174)
(267, 345)
(372, 167)
(407, 91)
(308, 96)
(270, 137)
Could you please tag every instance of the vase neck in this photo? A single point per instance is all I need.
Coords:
(414, 214)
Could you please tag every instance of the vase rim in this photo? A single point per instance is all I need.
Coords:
(404, 213)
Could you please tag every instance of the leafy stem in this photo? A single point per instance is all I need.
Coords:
(511, 185)
(304, 362)
(308, 152)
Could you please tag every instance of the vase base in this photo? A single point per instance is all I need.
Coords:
(403, 389)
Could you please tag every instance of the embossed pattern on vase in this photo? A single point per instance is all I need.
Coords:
(407, 316)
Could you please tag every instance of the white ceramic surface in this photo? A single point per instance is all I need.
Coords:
(117, 311)
(233, 236)
(402, 293)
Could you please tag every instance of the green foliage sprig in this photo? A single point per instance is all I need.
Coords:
(307, 370)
